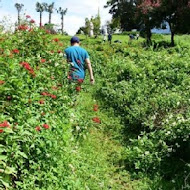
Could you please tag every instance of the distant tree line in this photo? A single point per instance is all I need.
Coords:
(44, 7)
(145, 15)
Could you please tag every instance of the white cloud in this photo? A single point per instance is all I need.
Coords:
(78, 10)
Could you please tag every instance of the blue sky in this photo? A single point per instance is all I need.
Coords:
(78, 10)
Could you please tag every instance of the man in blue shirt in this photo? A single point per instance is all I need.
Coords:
(78, 59)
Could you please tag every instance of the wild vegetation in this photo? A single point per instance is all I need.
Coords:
(129, 131)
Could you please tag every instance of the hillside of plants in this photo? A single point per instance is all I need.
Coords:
(128, 131)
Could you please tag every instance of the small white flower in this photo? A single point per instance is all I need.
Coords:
(72, 115)
(147, 152)
(77, 128)
(174, 123)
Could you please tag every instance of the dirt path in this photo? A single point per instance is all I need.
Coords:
(96, 166)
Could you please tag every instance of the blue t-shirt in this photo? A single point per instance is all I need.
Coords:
(76, 56)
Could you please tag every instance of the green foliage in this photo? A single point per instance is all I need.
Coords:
(149, 89)
(86, 29)
(123, 12)
(31, 156)
(144, 94)
(96, 22)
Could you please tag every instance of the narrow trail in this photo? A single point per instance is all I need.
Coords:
(99, 154)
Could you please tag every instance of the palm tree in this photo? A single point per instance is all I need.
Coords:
(49, 8)
(19, 8)
(62, 12)
(40, 8)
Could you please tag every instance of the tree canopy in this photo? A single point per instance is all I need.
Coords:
(147, 14)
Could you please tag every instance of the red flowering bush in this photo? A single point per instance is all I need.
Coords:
(37, 128)
(48, 94)
(41, 101)
(4, 124)
(78, 88)
(43, 60)
(56, 40)
(32, 21)
(2, 82)
(28, 67)
(23, 27)
(96, 120)
(45, 126)
(1, 130)
(80, 81)
(53, 96)
(32, 103)
(16, 51)
(95, 107)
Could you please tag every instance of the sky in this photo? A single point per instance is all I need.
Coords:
(78, 10)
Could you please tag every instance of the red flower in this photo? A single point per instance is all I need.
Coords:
(55, 39)
(59, 51)
(2, 82)
(80, 81)
(4, 124)
(78, 88)
(9, 98)
(28, 16)
(32, 21)
(43, 60)
(37, 128)
(96, 120)
(46, 126)
(23, 27)
(53, 96)
(95, 107)
(28, 67)
(1, 130)
(45, 94)
(41, 102)
(16, 51)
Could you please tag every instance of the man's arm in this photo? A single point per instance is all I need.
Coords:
(92, 81)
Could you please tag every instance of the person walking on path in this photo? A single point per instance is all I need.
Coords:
(109, 38)
(78, 59)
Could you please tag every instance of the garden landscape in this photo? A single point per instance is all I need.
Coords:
(128, 131)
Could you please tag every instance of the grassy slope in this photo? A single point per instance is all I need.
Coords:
(96, 164)
(97, 158)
